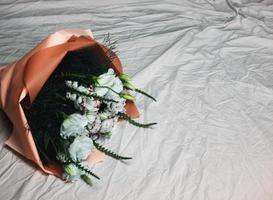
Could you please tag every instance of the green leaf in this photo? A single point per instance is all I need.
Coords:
(46, 140)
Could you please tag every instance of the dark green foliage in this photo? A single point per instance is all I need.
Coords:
(109, 152)
(50, 108)
(133, 122)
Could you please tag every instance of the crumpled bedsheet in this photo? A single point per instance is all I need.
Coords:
(210, 65)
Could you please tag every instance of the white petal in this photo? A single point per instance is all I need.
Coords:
(101, 91)
(107, 125)
(81, 148)
(74, 125)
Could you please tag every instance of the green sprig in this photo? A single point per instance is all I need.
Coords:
(109, 152)
(82, 168)
(133, 122)
(145, 94)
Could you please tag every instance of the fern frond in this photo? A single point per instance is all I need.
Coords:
(133, 122)
(145, 94)
(82, 168)
(108, 42)
(109, 152)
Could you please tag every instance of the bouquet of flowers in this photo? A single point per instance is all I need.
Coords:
(63, 99)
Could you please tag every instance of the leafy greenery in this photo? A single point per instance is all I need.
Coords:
(82, 168)
(133, 122)
(145, 94)
(111, 45)
(109, 152)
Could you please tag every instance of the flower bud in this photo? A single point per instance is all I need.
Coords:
(68, 83)
(124, 77)
(74, 84)
(68, 170)
(103, 116)
(79, 100)
(86, 179)
(129, 85)
(127, 96)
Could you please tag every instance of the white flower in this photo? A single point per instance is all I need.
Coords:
(76, 124)
(68, 83)
(79, 100)
(95, 126)
(74, 84)
(81, 148)
(68, 95)
(91, 105)
(116, 108)
(107, 125)
(105, 115)
(110, 80)
(83, 89)
(117, 86)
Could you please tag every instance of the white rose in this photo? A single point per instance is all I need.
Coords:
(91, 105)
(110, 80)
(76, 124)
(81, 148)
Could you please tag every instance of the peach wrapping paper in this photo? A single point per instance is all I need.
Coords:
(23, 79)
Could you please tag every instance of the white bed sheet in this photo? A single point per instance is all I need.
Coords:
(210, 65)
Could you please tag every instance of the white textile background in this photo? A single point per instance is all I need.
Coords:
(210, 65)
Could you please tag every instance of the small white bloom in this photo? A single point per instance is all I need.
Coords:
(91, 117)
(107, 125)
(68, 83)
(91, 105)
(73, 97)
(83, 89)
(75, 84)
(116, 108)
(105, 115)
(95, 126)
(68, 95)
(79, 100)
(81, 148)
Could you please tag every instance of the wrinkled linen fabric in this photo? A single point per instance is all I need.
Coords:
(210, 66)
